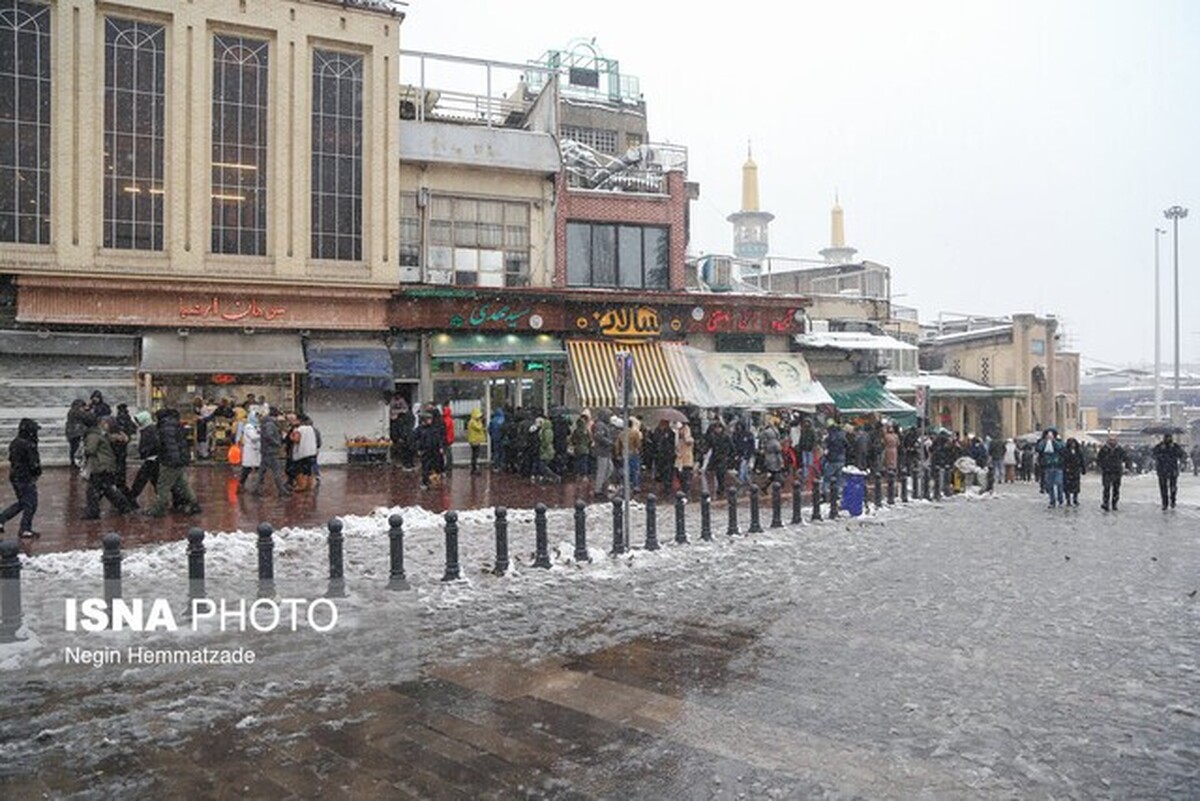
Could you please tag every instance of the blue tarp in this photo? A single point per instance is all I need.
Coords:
(358, 364)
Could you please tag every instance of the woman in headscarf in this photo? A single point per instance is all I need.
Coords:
(1073, 467)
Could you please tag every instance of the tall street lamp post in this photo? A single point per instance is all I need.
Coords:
(1175, 214)
(1157, 331)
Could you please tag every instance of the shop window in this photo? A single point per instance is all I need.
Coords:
(337, 156)
(628, 256)
(24, 122)
(741, 343)
(134, 134)
(239, 146)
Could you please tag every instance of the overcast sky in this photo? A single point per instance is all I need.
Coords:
(1000, 157)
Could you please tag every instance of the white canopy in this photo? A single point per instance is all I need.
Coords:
(851, 340)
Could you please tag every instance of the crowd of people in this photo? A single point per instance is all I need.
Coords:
(668, 451)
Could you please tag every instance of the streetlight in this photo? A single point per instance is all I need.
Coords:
(1175, 214)
(1157, 331)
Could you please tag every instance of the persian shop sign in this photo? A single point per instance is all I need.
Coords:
(232, 311)
(626, 323)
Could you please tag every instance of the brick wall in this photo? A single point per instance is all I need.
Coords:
(602, 206)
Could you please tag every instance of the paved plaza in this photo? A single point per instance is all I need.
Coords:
(974, 648)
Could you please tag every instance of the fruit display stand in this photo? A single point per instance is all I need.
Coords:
(364, 450)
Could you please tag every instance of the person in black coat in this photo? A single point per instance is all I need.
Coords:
(1111, 461)
(720, 449)
(429, 443)
(25, 467)
(1073, 469)
(664, 456)
(123, 429)
(1167, 458)
(98, 407)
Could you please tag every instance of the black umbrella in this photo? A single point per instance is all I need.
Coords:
(1162, 428)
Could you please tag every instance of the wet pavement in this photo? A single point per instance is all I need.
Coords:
(343, 489)
(976, 648)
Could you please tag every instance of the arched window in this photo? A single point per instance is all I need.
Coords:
(337, 156)
(134, 134)
(24, 122)
(239, 146)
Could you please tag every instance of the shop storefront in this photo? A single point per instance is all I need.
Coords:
(346, 392)
(487, 371)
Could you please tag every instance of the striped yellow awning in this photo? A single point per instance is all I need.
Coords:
(594, 371)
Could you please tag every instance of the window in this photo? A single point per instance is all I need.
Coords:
(410, 231)
(134, 134)
(956, 367)
(337, 156)
(628, 256)
(24, 122)
(985, 370)
(598, 139)
(239, 146)
(1038, 347)
(471, 242)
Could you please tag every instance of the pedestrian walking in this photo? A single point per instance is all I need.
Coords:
(76, 427)
(304, 453)
(250, 440)
(1010, 461)
(123, 425)
(25, 466)
(173, 460)
(1074, 467)
(1111, 459)
(1049, 450)
(602, 450)
(148, 450)
(835, 449)
(545, 451)
(496, 435)
(685, 455)
(272, 441)
(100, 467)
(581, 444)
(772, 453)
(430, 442)
(1168, 456)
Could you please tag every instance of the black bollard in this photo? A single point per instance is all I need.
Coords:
(834, 491)
(990, 483)
(891, 489)
(798, 503)
(776, 505)
(337, 565)
(903, 488)
(266, 560)
(396, 579)
(681, 537)
(937, 484)
(755, 524)
(651, 522)
(111, 559)
(542, 541)
(11, 615)
(816, 491)
(195, 557)
(732, 494)
(581, 551)
(706, 517)
(878, 490)
(926, 489)
(618, 521)
(453, 571)
(502, 563)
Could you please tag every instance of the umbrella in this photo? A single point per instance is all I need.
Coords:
(670, 415)
(1162, 428)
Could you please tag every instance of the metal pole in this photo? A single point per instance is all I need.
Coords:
(1157, 331)
(1175, 214)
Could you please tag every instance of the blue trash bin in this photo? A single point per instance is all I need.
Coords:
(854, 491)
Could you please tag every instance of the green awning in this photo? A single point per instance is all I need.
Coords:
(463, 347)
(866, 395)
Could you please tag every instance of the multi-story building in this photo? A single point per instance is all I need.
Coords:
(201, 185)
(1035, 385)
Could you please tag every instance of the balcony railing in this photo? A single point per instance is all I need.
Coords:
(457, 89)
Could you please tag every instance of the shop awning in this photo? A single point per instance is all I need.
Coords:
(463, 347)
(865, 395)
(594, 370)
(58, 343)
(744, 380)
(222, 352)
(349, 364)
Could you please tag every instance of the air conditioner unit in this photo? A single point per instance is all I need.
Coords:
(440, 277)
(717, 272)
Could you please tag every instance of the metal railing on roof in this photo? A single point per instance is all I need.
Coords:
(465, 90)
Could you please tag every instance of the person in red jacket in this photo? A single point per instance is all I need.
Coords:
(448, 424)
